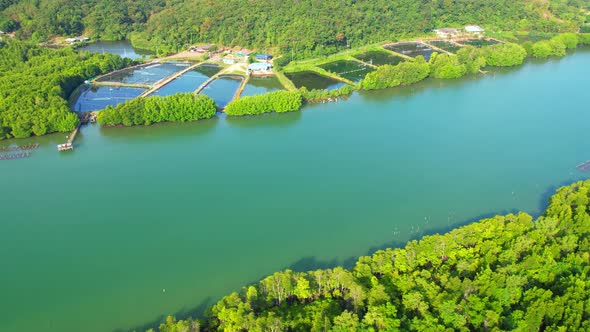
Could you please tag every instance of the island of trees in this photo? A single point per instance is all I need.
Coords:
(181, 107)
(504, 273)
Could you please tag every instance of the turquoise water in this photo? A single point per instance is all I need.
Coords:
(261, 85)
(122, 48)
(188, 82)
(94, 98)
(222, 89)
(90, 239)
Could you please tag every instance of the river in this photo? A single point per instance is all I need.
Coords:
(141, 222)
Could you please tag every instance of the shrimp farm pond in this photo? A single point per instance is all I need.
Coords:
(261, 85)
(350, 70)
(189, 81)
(95, 98)
(380, 58)
(311, 81)
(411, 49)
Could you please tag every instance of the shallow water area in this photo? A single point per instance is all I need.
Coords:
(261, 85)
(93, 98)
(350, 70)
(122, 48)
(91, 238)
(411, 49)
(311, 81)
(379, 58)
(222, 89)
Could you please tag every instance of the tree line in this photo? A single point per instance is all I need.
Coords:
(180, 107)
(278, 101)
(503, 273)
(296, 29)
(36, 82)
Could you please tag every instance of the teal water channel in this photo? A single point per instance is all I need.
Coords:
(93, 98)
(122, 48)
(261, 85)
(148, 74)
(223, 89)
(136, 223)
(189, 81)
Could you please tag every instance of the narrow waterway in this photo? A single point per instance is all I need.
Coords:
(141, 222)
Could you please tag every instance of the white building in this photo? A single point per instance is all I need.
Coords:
(475, 30)
(447, 32)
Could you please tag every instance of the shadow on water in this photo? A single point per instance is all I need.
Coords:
(160, 131)
(195, 312)
(267, 120)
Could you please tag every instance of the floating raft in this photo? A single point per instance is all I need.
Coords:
(10, 156)
(584, 167)
(19, 147)
(65, 147)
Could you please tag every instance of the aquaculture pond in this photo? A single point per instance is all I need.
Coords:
(379, 58)
(479, 42)
(223, 89)
(261, 85)
(188, 82)
(311, 81)
(122, 48)
(93, 98)
(147, 74)
(351, 70)
(445, 45)
(411, 49)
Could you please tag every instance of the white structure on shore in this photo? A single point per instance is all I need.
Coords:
(447, 32)
(475, 30)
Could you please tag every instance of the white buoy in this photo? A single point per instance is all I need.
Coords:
(163, 290)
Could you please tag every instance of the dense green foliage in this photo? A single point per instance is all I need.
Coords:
(556, 46)
(35, 83)
(404, 73)
(278, 101)
(498, 274)
(504, 55)
(180, 107)
(297, 28)
(446, 66)
(319, 95)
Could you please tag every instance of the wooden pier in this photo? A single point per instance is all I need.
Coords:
(584, 167)
(69, 145)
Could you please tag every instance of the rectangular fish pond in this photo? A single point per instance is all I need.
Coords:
(479, 42)
(93, 98)
(223, 89)
(261, 85)
(445, 45)
(148, 74)
(189, 81)
(311, 81)
(379, 58)
(351, 70)
(411, 49)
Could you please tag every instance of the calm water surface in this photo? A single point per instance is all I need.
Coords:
(94, 98)
(122, 48)
(90, 239)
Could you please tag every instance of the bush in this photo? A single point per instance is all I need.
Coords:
(180, 107)
(317, 95)
(446, 66)
(504, 55)
(405, 73)
(279, 101)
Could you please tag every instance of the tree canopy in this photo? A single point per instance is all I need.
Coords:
(298, 28)
(503, 273)
(35, 83)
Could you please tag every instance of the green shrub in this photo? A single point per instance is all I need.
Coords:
(279, 101)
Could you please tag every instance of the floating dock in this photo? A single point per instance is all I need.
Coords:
(69, 145)
(584, 167)
(9, 156)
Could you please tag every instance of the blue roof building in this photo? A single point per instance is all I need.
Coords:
(265, 57)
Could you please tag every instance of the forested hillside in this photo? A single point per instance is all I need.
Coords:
(498, 274)
(306, 27)
(35, 83)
